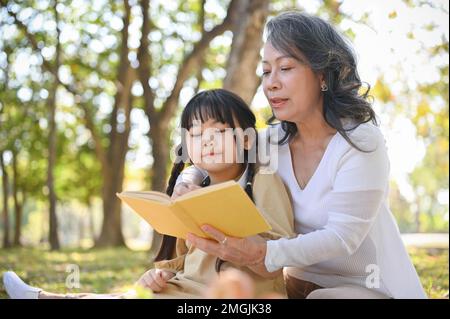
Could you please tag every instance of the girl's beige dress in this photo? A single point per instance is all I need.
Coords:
(195, 270)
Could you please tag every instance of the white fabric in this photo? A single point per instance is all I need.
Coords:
(195, 175)
(17, 289)
(347, 233)
(192, 174)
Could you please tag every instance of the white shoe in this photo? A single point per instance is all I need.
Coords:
(17, 289)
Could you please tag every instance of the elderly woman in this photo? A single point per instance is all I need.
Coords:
(333, 160)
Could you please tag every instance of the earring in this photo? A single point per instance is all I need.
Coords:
(324, 87)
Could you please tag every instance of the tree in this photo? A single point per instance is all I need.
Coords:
(53, 229)
(159, 119)
(5, 187)
(246, 19)
(111, 147)
(244, 57)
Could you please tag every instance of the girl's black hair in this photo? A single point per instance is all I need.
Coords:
(222, 106)
(301, 36)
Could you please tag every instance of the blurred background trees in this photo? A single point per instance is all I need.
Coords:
(90, 94)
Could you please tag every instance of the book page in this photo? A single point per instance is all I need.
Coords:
(150, 195)
(205, 190)
(228, 208)
(159, 216)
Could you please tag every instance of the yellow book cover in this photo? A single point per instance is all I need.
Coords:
(225, 206)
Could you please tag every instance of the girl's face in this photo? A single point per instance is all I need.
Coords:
(211, 145)
(291, 86)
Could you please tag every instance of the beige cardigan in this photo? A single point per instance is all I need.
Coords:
(195, 270)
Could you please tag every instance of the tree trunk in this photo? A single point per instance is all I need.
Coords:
(159, 120)
(5, 187)
(417, 215)
(244, 57)
(160, 150)
(159, 137)
(17, 204)
(111, 233)
(53, 226)
(114, 164)
(91, 222)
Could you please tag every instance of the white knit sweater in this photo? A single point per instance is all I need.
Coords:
(347, 234)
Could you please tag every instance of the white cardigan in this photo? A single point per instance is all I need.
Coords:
(347, 232)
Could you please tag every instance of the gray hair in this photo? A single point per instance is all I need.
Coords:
(316, 43)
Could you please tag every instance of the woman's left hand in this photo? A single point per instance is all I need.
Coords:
(247, 251)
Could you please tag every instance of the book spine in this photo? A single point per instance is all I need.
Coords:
(187, 220)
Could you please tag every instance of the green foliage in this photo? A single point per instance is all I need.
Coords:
(91, 45)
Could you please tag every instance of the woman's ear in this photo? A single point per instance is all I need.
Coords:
(321, 77)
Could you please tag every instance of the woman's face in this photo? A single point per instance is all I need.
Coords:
(291, 86)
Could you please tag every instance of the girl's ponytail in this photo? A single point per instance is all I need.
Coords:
(249, 180)
(169, 242)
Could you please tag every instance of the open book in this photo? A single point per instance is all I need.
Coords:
(224, 206)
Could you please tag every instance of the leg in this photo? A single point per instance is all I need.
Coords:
(50, 295)
(17, 289)
(346, 292)
(297, 288)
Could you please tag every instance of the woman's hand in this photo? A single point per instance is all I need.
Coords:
(155, 279)
(183, 188)
(249, 251)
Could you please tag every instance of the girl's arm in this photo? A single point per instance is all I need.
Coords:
(188, 180)
(191, 175)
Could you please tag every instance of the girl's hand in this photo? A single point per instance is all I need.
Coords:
(250, 251)
(155, 279)
(183, 188)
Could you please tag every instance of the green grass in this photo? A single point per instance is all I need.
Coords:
(111, 270)
(101, 271)
(432, 267)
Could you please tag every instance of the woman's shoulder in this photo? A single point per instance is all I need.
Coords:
(366, 136)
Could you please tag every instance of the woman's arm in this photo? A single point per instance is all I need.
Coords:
(248, 251)
(358, 192)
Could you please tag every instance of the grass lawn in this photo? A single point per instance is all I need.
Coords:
(100, 271)
(111, 270)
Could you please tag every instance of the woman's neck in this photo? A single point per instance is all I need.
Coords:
(313, 129)
(233, 172)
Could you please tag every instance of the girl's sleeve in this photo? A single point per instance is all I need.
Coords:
(191, 175)
(359, 188)
(177, 262)
(273, 202)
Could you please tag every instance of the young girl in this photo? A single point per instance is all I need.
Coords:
(213, 123)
